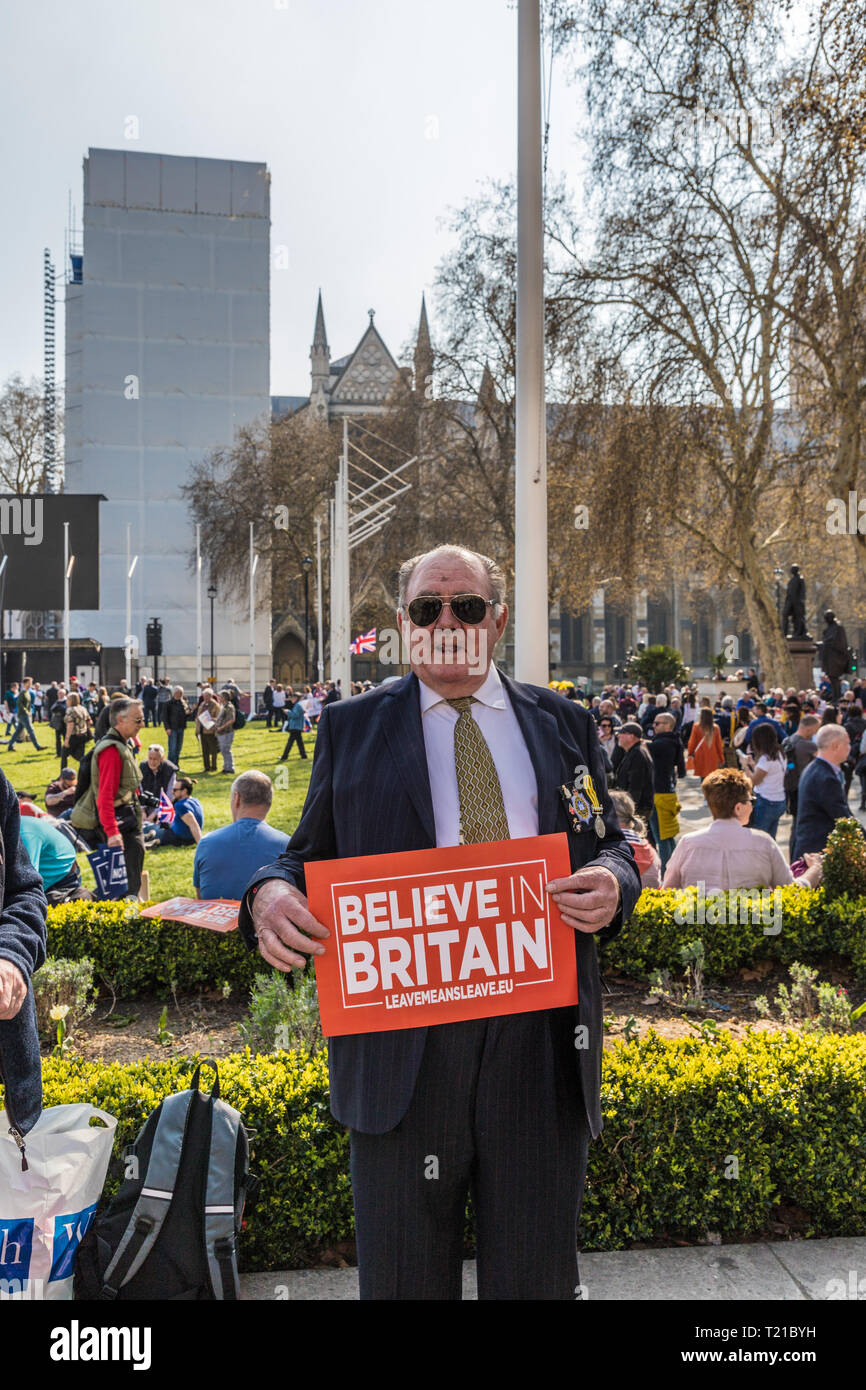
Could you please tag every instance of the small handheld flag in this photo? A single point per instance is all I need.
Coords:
(165, 813)
(365, 642)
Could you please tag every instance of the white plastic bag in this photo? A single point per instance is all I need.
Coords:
(45, 1211)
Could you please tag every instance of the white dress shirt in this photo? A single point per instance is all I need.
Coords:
(492, 711)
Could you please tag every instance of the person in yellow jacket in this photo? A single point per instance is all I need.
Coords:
(666, 751)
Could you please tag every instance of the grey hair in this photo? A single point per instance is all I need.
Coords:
(495, 574)
(119, 707)
(253, 788)
(830, 733)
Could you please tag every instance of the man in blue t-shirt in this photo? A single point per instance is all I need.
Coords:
(226, 859)
(188, 816)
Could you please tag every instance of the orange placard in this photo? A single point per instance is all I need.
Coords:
(217, 914)
(440, 935)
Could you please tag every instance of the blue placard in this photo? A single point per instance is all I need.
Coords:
(109, 869)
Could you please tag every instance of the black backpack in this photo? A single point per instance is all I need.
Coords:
(791, 780)
(85, 771)
(240, 719)
(171, 1231)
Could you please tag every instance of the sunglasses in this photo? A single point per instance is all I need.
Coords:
(467, 608)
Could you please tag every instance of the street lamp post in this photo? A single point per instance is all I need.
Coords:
(306, 565)
(69, 561)
(778, 572)
(211, 593)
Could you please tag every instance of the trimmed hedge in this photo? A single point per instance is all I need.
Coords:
(789, 1109)
(142, 955)
(298, 1150)
(810, 928)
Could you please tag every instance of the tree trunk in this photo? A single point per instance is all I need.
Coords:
(764, 620)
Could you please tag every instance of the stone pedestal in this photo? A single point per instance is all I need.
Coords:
(802, 651)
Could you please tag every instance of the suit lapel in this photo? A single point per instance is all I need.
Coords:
(541, 734)
(405, 738)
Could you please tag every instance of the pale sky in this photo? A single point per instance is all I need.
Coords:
(373, 116)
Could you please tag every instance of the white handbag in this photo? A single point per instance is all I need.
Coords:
(45, 1209)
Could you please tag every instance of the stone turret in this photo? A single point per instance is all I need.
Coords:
(423, 355)
(320, 359)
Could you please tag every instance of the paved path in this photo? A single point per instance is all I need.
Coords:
(696, 816)
(794, 1271)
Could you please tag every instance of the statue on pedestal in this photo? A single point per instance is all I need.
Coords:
(795, 605)
(834, 652)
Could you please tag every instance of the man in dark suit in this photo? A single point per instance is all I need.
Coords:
(821, 796)
(502, 1107)
(633, 769)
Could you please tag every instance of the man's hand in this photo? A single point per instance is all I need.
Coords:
(589, 899)
(285, 925)
(13, 989)
(114, 840)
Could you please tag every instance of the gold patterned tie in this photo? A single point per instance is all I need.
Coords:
(482, 809)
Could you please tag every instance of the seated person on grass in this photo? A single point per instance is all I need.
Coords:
(185, 829)
(226, 859)
(60, 794)
(53, 857)
(157, 775)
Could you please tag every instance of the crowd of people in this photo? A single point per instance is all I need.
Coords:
(116, 796)
(757, 757)
(767, 753)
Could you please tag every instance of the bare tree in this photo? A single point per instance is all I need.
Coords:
(696, 263)
(22, 467)
(779, 92)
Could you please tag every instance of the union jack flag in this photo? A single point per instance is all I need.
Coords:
(165, 812)
(365, 642)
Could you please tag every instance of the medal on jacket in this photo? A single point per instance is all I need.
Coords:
(582, 803)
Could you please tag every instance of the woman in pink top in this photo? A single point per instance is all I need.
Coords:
(729, 855)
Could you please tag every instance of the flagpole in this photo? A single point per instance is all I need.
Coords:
(345, 595)
(128, 605)
(531, 615)
(332, 589)
(67, 569)
(253, 562)
(198, 609)
(320, 651)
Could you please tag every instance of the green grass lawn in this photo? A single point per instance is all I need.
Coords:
(170, 867)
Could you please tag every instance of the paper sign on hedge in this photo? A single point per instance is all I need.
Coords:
(217, 914)
(440, 935)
